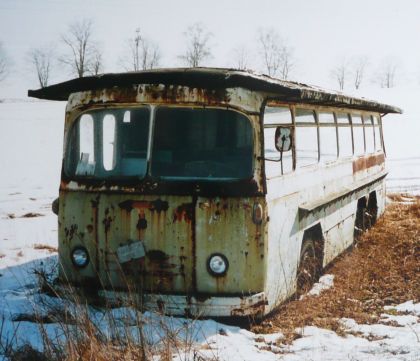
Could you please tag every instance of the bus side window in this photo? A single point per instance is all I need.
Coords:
(378, 140)
(306, 137)
(345, 147)
(274, 116)
(369, 134)
(327, 137)
(358, 134)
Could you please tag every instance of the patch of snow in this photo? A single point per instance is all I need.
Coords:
(408, 306)
(325, 282)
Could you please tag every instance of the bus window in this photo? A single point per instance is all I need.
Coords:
(369, 135)
(327, 137)
(378, 140)
(277, 115)
(86, 158)
(345, 148)
(306, 138)
(108, 139)
(104, 144)
(358, 134)
(272, 117)
(193, 143)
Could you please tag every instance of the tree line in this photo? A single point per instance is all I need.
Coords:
(83, 56)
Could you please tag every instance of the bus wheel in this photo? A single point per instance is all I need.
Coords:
(308, 270)
(362, 219)
(372, 209)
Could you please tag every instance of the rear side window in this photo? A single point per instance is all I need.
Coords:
(378, 139)
(327, 137)
(306, 138)
(358, 134)
(345, 145)
(369, 134)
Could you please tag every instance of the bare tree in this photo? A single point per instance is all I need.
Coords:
(150, 54)
(3, 63)
(359, 66)
(41, 59)
(142, 54)
(277, 55)
(287, 62)
(386, 75)
(198, 49)
(97, 63)
(241, 57)
(83, 52)
(340, 73)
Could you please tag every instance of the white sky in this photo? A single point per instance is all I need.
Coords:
(321, 32)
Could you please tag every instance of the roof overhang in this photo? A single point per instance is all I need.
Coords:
(213, 78)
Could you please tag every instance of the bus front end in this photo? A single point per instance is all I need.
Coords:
(162, 197)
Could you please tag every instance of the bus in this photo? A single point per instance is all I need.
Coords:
(211, 192)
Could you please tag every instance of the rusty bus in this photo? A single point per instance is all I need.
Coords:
(212, 192)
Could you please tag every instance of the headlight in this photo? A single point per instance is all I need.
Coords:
(80, 257)
(217, 264)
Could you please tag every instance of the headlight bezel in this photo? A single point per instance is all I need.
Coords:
(225, 262)
(73, 257)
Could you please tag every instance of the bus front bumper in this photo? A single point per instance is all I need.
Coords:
(209, 306)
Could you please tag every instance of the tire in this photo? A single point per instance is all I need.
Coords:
(309, 268)
(360, 223)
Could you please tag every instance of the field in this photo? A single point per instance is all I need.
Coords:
(367, 308)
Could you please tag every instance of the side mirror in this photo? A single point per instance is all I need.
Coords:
(283, 139)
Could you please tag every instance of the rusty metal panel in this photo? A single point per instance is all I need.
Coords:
(103, 223)
(367, 162)
(182, 305)
(225, 225)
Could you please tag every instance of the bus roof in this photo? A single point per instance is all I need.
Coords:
(214, 78)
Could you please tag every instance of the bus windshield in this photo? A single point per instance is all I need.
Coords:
(188, 143)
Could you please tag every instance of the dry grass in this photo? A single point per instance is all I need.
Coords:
(46, 247)
(32, 215)
(382, 269)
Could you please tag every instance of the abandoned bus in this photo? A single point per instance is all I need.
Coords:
(212, 192)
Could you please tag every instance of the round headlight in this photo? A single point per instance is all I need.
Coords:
(217, 264)
(80, 257)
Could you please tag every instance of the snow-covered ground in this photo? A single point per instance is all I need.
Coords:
(30, 161)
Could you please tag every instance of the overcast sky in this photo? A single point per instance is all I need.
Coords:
(321, 32)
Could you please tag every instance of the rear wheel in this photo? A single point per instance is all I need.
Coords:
(361, 223)
(308, 270)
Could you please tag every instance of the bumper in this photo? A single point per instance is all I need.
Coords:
(211, 306)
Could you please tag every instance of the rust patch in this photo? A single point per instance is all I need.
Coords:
(157, 205)
(184, 212)
(367, 162)
(255, 309)
(70, 232)
(95, 213)
(160, 269)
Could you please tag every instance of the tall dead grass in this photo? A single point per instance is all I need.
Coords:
(89, 333)
(383, 269)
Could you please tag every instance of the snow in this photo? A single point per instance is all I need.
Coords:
(324, 283)
(30, 148)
